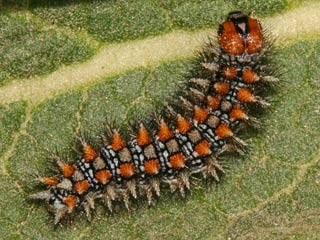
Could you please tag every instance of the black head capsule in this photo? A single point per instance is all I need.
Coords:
(240, 21)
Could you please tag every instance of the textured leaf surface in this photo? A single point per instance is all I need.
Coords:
(28, 47)
(273, 192)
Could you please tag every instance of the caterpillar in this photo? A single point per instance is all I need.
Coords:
(188, 138)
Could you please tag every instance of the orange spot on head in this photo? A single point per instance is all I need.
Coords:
(152, 167)
(89, 153)
(203, 148)
(255, 37)
(200, 114)
(229, 73)
(67, 170)
(238, 113)
(230, 40)
(221, 88)
(143, 137)
(249, 76)
(183, 125)
(177, 160)
(127, 170)
(117, 142)
(244, 95)
(213, 102)
(51, 181)
(81, 187)
(223, 131)
(103, 176)
(165, 132)
(70, 201)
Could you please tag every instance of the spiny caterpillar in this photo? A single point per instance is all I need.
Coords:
(218, 100)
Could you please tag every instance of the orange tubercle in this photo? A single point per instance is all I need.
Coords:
(221, 88)
(143, 137)
(183, 125)
(81, 187)
(230, 40)
(229, 72)
(103, 176)
(51, 181)
(255, 37)
(213, 102)
(249, 76)
(117, 142)
(152, 167)
(177, 160)
(203, 148)
(200, 114)
(238, 113)
(165, 132)
(127, 170)
(89, 153)
(223, 131)
(245, 95)
(70, 201)
(67, 170)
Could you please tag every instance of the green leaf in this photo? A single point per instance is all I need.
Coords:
(114, 21)
(272, 192)
(27, 49)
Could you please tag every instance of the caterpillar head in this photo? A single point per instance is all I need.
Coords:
(240, 21)
(240, 34)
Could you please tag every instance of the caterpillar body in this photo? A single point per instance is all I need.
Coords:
(218, 100)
